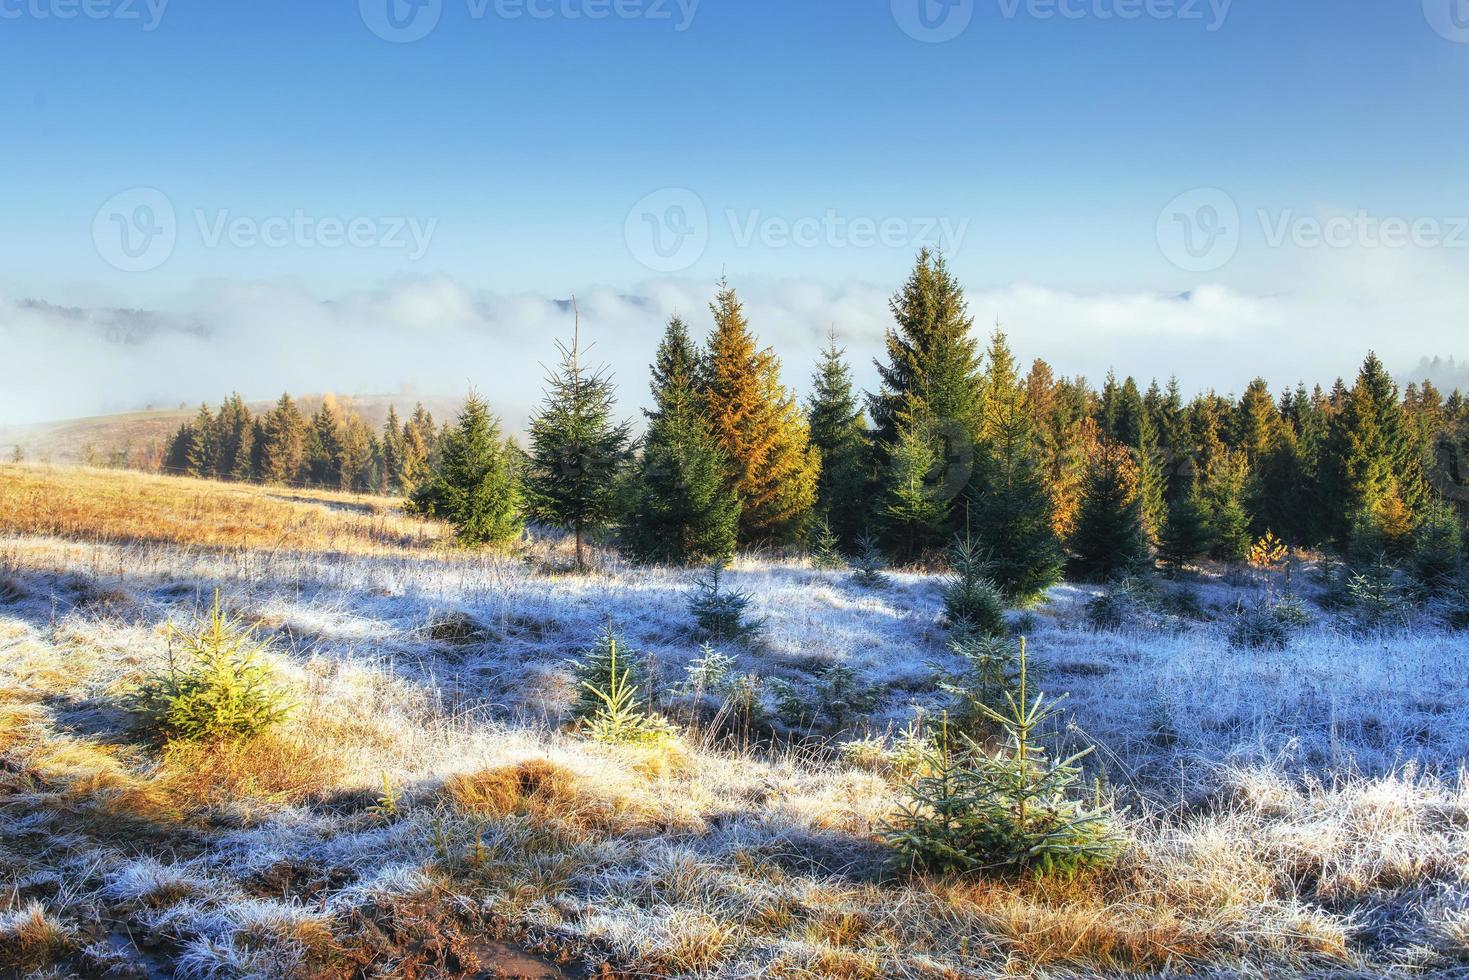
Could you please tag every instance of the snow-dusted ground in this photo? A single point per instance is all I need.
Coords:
(1295, 812)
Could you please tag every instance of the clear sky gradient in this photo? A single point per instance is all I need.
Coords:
(1055, 141)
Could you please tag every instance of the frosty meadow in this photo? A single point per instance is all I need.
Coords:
(1023, 677)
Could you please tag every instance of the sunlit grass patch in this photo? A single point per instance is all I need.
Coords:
(31, 938)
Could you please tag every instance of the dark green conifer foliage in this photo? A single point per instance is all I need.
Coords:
(204, 447)
(235, 440)
(1373, 459)
(283, 449)
(180, 452)
(392, 453)
(1185, 535)
(1223, 496)
(1110, 541)
(685, 510)
(324, 447)
(1008, 509)
(839, 435)
(577, 451)
(474, 487)
(913, 512)
(932, 369)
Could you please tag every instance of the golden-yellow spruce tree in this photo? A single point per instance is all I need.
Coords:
(760, 427)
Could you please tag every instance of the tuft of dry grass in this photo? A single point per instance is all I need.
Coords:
(272, 769)
(125, 506)
(544, 792)
(30, 939)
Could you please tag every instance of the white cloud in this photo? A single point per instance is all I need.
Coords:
(439, 335)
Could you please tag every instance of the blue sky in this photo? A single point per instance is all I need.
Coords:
(524, 143)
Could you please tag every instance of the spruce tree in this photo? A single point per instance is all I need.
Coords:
(1110, 540)
(179, 451)
(576, 450)
(685, 510)
(1185, 535)
(475, 487)
(1008, 508)
(1372, 457)
(1223, 473)
(235, 448)
(204, 448)
(760, 428)
(361, 470)
(283, 448)
(419, 441)
(912, 513)
(324, 447)
(392, 453)
(932, 369)
(1126, 420)
(839, 435)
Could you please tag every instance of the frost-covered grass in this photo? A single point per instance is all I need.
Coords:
(1287, 813)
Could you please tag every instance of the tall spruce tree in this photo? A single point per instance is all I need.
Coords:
(1222, 493)
(1374, 465)
(685, 510)
(932, 369)
(1127, 420)
(420, 439)
(1110, 540)
(283, 449)
(1185, 536)
(178, 454)
(392, 453)
(839, 435)
(235, 431)
(760, 428)
(912, 513)
(474, 487)
(204, 448)
(324, 446)
(1009, 510)
(361, 470)
(576, 450)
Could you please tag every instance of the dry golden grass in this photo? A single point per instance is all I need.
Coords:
(117, 505)
(539, 789)
(271, 768)
(31, 939)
